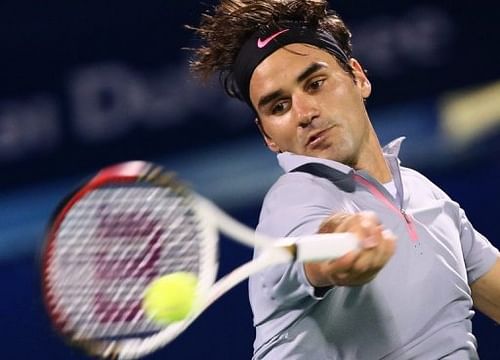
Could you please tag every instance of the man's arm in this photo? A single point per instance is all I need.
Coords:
(486, 292)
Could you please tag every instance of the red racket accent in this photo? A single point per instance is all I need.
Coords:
(120, 173)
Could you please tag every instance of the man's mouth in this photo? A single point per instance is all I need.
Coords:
(316, 138)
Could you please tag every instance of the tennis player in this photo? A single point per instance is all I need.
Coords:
(410, 298)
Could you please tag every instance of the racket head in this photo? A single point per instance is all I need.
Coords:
(131, 223)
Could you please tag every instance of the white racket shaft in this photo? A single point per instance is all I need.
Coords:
(319, 247)
(313, 247)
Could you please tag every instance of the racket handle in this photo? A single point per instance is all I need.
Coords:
(319, 247)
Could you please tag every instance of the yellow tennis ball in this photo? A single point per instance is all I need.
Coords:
(170, 298)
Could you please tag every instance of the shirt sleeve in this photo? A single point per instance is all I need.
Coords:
(295, 206)
(479, 254)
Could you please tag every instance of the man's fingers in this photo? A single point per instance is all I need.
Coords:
(364, 225)
(344, 263)
(373, 260)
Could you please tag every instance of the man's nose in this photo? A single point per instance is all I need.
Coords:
(306, 110)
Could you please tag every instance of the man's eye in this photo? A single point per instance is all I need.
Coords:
(315, 85)
(278, 108)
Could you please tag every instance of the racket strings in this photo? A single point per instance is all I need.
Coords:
(109, 247)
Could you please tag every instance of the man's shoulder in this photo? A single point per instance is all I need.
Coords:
(418, 181)
(301, 188)
(412, 174)
(298, 182)
(297, 203)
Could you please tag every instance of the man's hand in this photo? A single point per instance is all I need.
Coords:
(356, 267)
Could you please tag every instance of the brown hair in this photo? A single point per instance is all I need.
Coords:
(225, 31)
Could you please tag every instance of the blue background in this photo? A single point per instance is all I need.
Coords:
(87, 83)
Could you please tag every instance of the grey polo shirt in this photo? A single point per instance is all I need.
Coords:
(418, 307)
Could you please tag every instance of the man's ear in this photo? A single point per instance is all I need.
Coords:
(269, 142)
(361, 79)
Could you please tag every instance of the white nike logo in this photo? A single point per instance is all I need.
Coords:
(262, 43)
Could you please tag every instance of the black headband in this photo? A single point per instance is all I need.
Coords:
(267, 40)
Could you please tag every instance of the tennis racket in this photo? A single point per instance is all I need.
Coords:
(131, 223)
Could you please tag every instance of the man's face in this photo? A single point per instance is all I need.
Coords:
(309, 105)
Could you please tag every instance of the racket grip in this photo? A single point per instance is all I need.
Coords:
(320, 247)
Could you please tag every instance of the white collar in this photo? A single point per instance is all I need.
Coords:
(289, 161)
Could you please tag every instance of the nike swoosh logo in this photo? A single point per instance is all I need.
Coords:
(263, 42)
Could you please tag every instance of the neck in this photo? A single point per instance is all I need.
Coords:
(372, 160)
